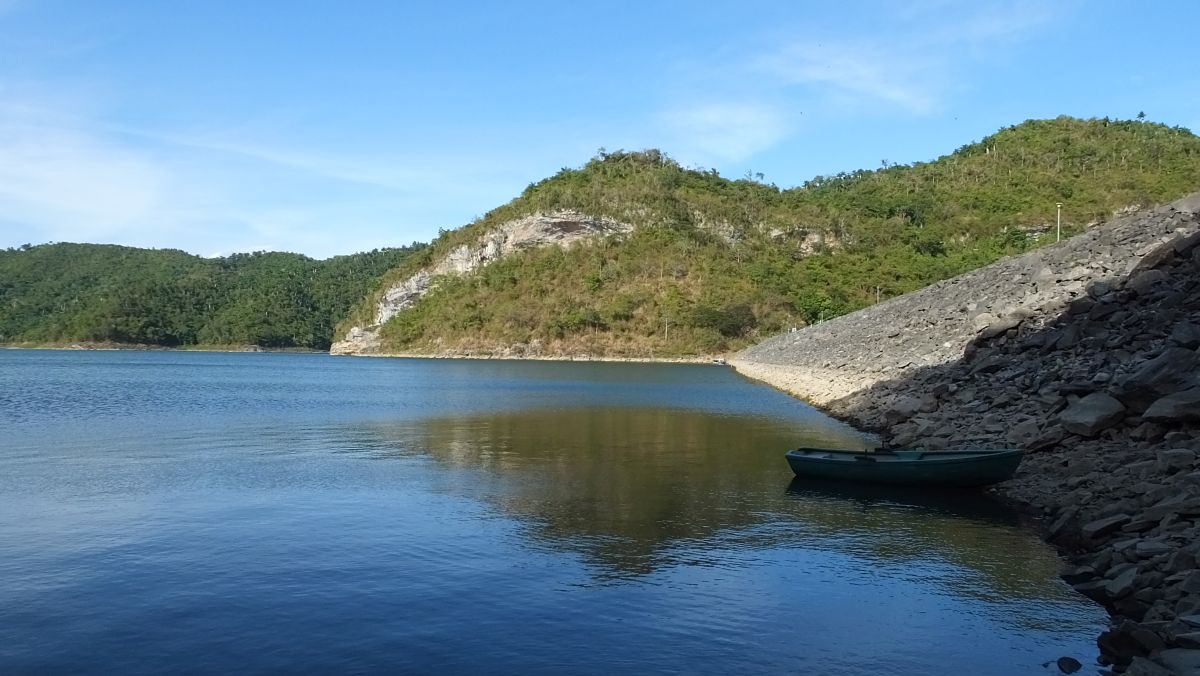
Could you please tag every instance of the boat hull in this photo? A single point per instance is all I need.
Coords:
(959, 469)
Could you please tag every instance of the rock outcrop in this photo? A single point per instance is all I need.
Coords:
(1082, 353)
(560, 228)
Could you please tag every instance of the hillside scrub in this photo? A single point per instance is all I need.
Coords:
(715, 263)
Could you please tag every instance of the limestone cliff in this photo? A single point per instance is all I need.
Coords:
(559, 228)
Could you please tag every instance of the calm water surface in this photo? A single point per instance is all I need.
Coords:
(218, 513)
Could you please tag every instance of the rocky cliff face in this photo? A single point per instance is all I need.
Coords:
(538, 230)
(1087, 355)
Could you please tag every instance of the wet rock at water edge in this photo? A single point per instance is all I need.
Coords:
(1069, 665)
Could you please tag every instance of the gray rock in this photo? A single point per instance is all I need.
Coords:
(1123, 585)
(1191, 583)
(1149, 548)
(1182, 661)
(1092, 414)
(1024, 433)
(1172, 371)
(1186, 335)
(1175, 408)
(1068, 665)
(1140, 666)
(1101, 527)
(1174, 459)
(1142, 283)
(903, 408)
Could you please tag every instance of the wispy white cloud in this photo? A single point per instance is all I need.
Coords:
(71, 183)
(67, 174)
(859, 71)
(912, 66)
(724, 131)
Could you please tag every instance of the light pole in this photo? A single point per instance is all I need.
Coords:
(1058, 237)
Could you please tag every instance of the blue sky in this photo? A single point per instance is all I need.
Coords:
(327, 128)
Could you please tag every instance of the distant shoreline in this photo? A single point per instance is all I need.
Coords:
(79, 346)
(580, 358)
(126, 347)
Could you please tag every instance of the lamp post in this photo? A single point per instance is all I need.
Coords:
(1058, 206)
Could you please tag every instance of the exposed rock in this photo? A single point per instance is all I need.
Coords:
(560, 228)
(1102, 527)
(1174, 408)
(1144, 282)
(1173, 370)
(1092, 414)
(1185, 335)
(1068, 665)
(1122, 585)
(1181, 661)
(1174, 459)
(1140, 666)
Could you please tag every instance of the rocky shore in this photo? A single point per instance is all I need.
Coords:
(1085, 354)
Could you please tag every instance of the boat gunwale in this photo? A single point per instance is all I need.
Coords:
(925, 459)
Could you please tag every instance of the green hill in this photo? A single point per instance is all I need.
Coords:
(104, 293)
(715, 263)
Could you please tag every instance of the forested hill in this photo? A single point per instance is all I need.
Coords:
(712, 263)
(104, 293)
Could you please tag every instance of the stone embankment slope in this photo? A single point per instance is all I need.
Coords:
(560, 228)
(1083, 353)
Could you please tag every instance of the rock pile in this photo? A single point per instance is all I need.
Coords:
(1092, 367)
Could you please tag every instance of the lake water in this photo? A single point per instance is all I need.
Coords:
(217, 513)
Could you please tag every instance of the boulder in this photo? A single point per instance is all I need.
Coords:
(1142, 283)
(1185, 335)
(1174, 459)
(1179, 407)
(1024, 433)
(1068, 665)
(1101, 527)
(1092, 414)
(1140, 666)
(1122, 585)
(1182, 661)
(1191, 583)
(1170, 372)
(903, 408)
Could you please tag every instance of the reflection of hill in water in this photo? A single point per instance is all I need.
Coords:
(634, 489)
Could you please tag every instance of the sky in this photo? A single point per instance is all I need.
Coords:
(327, 128)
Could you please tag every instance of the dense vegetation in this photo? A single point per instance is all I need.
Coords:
(104, 293)
(714, 263)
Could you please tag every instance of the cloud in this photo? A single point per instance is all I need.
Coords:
(725, 131)
(913, 64)
(71, 183)
(859, 71)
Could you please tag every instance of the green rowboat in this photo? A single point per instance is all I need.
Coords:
(959, 469)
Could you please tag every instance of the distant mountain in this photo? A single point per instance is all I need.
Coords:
(635, 255)
(105, 293)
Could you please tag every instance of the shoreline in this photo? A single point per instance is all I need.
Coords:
(1085, 355)
(126, 347)
(79, 346)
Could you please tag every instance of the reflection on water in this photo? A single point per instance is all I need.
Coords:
(214, 513)
(628, 486)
